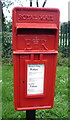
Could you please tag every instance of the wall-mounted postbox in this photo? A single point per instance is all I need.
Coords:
(35, 48)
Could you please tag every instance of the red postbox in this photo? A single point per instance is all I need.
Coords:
(35, 48)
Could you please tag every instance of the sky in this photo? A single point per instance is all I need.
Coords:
(62, 5)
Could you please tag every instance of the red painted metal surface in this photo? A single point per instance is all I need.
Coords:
(35, 41)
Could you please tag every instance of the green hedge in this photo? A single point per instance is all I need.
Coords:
(7, 47)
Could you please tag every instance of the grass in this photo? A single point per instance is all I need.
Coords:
(60, 109)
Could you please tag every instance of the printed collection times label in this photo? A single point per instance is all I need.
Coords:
(35, 79)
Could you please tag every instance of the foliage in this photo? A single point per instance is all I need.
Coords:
(6, 3)
(64, 51)
(64, 26)
(60, 109)
(6, 47)
(64, 39)
(62, 61)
